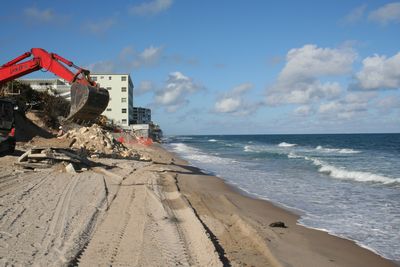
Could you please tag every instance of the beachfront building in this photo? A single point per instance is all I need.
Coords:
(120, 87)
(141, 115)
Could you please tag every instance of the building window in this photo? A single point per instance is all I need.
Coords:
(124, 110)
(108, 88)
(109, 77)
(109, 109)
(94, 78)
(123, 78)
(123, 121)
(123, 89)
(123, 100)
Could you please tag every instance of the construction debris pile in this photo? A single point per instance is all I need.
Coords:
(97, 142)
(39, 158)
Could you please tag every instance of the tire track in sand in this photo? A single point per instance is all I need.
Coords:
(122, 231)
(13, 194)
(14, 186)
(137, 230)
(105, 244)
(53, 239)
(163, 242)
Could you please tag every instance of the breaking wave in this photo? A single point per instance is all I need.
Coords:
(292, 155)
(284, 144)
(340, 173)
(249, 149)
(258, 149)
(212, 140)
(337, 150)
(193, 154)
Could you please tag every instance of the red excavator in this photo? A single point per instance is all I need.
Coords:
(88, 100)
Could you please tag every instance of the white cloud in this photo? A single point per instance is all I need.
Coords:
(388, 103)
(329, 107)
(298, 82)
(150, 56)
(127, 51)
(129, 59)
(386, 14)
(233, 102)
(242, 88)
(350, 106)
(99, 27)
(355, 15)
(102, 67)
(303, 92)
(311, 61)
(341, 110)
(228, 105)
(379, 72)
(175, 92)
(151, 8)
(303, 110)
(37, 15)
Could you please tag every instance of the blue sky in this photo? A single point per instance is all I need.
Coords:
(231, 67)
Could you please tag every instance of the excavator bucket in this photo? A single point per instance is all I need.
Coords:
(87, 102)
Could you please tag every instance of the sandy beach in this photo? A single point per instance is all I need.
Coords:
(161, 212)
(200, 133)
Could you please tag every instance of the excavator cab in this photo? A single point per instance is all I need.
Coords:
(87, 102)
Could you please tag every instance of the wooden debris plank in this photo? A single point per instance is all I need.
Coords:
(24, 157)
(38, 156)
(34, 165)
(53, 157)
(75, 156)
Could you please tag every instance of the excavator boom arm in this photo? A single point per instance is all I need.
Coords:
(43, 60)
(12, 72)
(88, 101)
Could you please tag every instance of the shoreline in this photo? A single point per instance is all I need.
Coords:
(295, 212)
(333, 252)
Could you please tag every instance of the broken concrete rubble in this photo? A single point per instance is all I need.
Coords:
(97, 142)
(75, 147)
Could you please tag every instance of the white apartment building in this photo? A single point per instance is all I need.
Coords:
(120, 88)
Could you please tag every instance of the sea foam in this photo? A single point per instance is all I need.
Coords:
(193, 154)
(292, 155)
(248, 148)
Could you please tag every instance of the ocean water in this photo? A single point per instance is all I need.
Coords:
(345, 184)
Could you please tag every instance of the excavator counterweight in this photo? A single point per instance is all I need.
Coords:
(88, 100)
